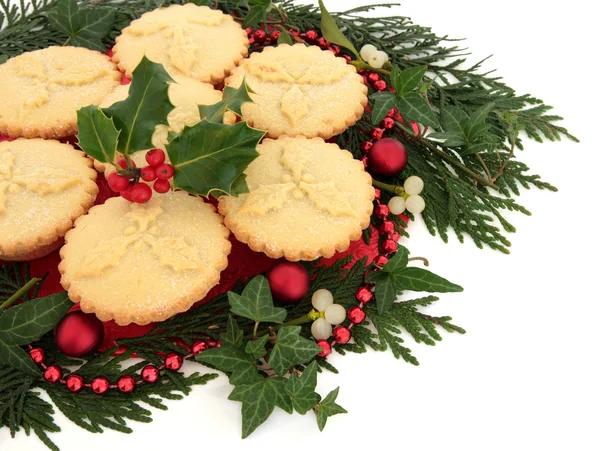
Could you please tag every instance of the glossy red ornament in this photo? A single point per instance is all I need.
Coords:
(341, 334)
(381, 260)
(37, 355)
(311, 35)
(199, 347)
(366, 146)
(387, 227)
(364, 295)
(100, 385)
(388, 157)
(377, 134)
(382, 211)
(126, 384)
(326, 348)
(52, 374)
(356, 315)
(289, 282)
(74, 383)
(79, 333)
(380, 85)
(173, 361)
(388, 123)
(373, 77)
(150, 374)
(377, 194)
(389, 246)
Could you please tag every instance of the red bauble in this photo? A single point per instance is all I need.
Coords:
(100, 385)
(389, 246)
(37, 355)
(126, 384)
(382, 211)
(356, 315)
(387, 227)
(78, 334)
(341, 335)
(150, 373)
(364, 295)
(52, 374)
(387, 157)
(326, 348)
(173, 361)
(289, 282)
(74, 383)
(381, 260)
(199, 347)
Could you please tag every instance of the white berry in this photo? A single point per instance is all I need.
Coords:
(377, 59)
(413, 185)
(322, 299)
(321, 329)
(415, 204)
(397, 205)
(335, 314)
(367, 50)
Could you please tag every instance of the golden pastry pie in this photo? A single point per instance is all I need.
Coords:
(307, 199)
(41, 91)
(189, 41)
(142, 263)
(300, 90)
(44, 187)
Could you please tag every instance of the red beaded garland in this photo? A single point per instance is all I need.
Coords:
(382, 211)
(74, 383)
(275, 35)
(126, 384)
(321, 42)
(311, 35)
(37, 355)
(389, 246)
(377, 134)
(150, 373)
(395, 236)
(348, 58)
(366, 146)
(393, 113)
(356, 315)
(381, 260)
(373, 77)
(377, 194)
(52, 374)
(365, 162)
(326, 348)
(388, 123)
(341, 334)
(364, 295)
(173, 361)
(199, 347)
(100, 385)
(260, 35)
(387, 227)
(380, 85)
(289, 282)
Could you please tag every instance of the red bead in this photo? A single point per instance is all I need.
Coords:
(348, 58)
(393, 113)
(365, 162)
(395, 236)
(275, 35)
(377, 194)
(388, 123)
(212, 343)
(289, 282)
(162, 186)
(173, 361)
(380, 85)
(52, 374)
(321, 42)
(117, 182)
(341, 334)
(126, 384)
(377, 134)
(79, 334)
(141, 193)
(373, 77)
(366, 146)
(148, 174)
(387, 227)
(199, 347)
(165, 171)
(155, 157)
(37, 355)
(388, 157)
(74, 383)
(294, 32)
(364, 295)
(335, 49)
(100, 385)
(251, 40)
(356, 315)
(326, 348)
(150, 374)
(381, 260)
(389, 246)
(260, 35)
(249, 31)
(311, 35)
(382, 211)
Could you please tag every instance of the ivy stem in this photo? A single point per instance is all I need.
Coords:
(447, 157)
(360, 64)
(423, 259)
(484, 166)
(294, 322)
(392, 189)
(19, 293)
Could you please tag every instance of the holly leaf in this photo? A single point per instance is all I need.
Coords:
(27, 322)
(234, 360)
(302, 389)
(285, 38)
(407, 80)
(256, 348)
(256, 302)
(233, 99)
(384, 102)
(332, 33)
(211, 157)
(234, 335)
(418, 279)
(328, 408)
(97, 135)
(18, 359)
(291, 349)
(414, 107)
(146, 106)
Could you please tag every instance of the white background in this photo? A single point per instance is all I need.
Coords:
(525, 377)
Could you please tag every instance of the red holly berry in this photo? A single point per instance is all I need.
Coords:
(381, 260)
(311, 35)
(162, 186)
(155, 157)
(37, 355)
(148, 174)
(173, 361)
(117, 182)
(382, 211)
(260, 35)
(100, 385)
(126, 194)
(199, 346)
(387, 228)
(140, 193)
(388, 123)
(52, 374)
(326, 348)
(150, 374)
(126, 384)
(377, 134)
(373, 77)
(275, 35)
(341, 334)
(364, 295)
(356, 315)
(165, 171)
(74, 383)
(389, 246)
(122, 162)
(366, 146)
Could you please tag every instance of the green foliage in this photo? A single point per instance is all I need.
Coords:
(13, 276)
(332, 32)
(291, 349)
(301, 389)
(328, 408)
(257, 13)
(232, 100)
(97, 135)
(285, 38)
(256, 302)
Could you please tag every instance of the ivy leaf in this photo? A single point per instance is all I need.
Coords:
(27, 322)
(480, 116)
(302, 389)
(414, 107)
(97, 135)
(332, 33)
(453, 118)
(328, 408)
(284, 38)
(233, 99)
(384, 102)
(147, 106)
(385, 293)
(256, 15)
(418, 279)
(398, 261)
(211, 157)
(234, 335)
(282, 398)
(256, 302)
(407, 80)
(291, 349)
(231, 359)
(256, 348)
(18, 359)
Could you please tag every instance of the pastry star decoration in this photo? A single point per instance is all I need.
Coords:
(295, 180)
(42, 181)
(172, 252)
